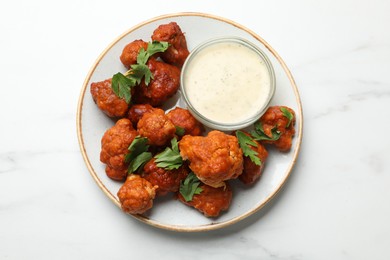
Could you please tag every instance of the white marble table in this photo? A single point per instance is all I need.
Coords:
(336, 203)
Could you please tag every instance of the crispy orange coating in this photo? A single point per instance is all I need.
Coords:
(130, 52)
(157, 127)
(136, 195)
(252, 172)
(214, 158)
(136, 111)
(184, 119)
(211, 201)
(274, 117)
(166, 180)
(115, 143)
(165, 83)
(106, 100)
(177, 52)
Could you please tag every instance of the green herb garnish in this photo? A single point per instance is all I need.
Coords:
(287, 114)
(123, 83)
(138, 154)
(180, 131)
(244, 142)
(138, 71)
(170, 158)
(190, 186)
(258, 133)
(139, 162)
(153, 48)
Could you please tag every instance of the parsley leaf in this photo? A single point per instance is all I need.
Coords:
(259, 135)
(138, 154)
(142, 56)
(156, 46)
(139, 71)
(190, 186)
(139, 161)
(244, 142)
(180, 131)
(287, 114)
(123, 83)
(170, 158)
(138, 146)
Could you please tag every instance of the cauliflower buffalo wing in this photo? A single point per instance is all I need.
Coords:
(157, 127)
(137, 111)
(214, 158)
(177, 52)
(211, 201)
(183, 118)
(252, 172)
(136, 195)
(130, 52)
(274, 117)
(165, 83)
(106, 100)
(115, 143)
(166, 180)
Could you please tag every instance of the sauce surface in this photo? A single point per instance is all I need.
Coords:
(227, 82)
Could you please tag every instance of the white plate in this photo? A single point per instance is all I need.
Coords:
(168, 213)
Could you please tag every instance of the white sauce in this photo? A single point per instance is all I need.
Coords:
(227, 82)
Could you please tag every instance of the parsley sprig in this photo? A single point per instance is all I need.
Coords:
(170, 158)
(288, 115)
(245, 142)
(138, 154)
(180, 131)
(122, 84)
(190, 186)
(258, 133)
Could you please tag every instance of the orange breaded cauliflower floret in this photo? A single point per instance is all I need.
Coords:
(177, 52)
(274, 117)
(130, 52)
(106, 100)
(183, 118)
(164, 85)
(214, 158)
(211, 201)
(166, 180)
(115, 143)
(252, 172)
(136, 112)
(136, 195)
(156, 126)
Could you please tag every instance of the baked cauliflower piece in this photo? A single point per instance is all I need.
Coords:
(282, 119)
(214, 158)
(183, 118)
(106, 100)
(166, 180)
(177, 52)
(211, 201)
(130, 52)
(136, 195)
(157, 127)
(114, 144)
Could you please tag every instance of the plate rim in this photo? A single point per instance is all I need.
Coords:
(211, 226)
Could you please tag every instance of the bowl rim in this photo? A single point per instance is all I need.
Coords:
(247, 121)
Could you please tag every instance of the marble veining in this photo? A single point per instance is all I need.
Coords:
(7, 163)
